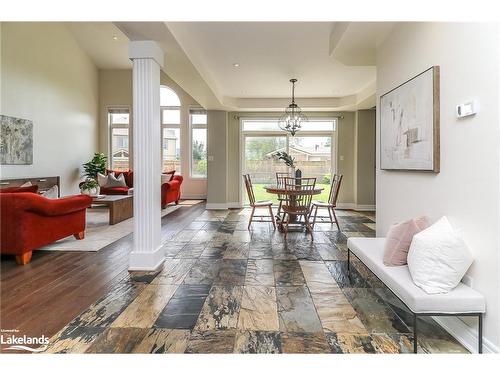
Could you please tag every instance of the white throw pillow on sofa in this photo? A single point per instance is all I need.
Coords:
(102, 179)
(438, 258)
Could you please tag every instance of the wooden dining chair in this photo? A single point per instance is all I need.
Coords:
(258, 204)
(330, 205)
(280, 184)
(298, 196)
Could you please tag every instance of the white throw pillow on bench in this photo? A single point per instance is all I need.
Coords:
(438, 258)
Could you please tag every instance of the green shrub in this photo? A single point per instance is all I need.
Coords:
(327, 179)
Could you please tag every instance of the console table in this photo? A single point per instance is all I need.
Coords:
(44, 183)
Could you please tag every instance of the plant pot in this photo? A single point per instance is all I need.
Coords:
(91, 191)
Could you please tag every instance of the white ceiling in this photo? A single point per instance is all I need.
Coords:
(96, 38)
(333, 62)
(269, 54)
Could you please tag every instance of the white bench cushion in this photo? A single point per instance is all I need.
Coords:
(462, 299)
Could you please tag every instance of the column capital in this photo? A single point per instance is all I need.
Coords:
(146, 49)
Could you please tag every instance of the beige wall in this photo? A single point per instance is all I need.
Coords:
(364, 186)
(47, 78)
(217, 140)
(345, 156)
(115, 87)
(467, 188)
(115, 91)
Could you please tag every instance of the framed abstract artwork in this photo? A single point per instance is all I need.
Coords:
(16, 141)
(409, 124)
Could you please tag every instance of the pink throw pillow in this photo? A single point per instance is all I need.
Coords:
(399, 239)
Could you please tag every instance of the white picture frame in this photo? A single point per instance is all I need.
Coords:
(409, 125)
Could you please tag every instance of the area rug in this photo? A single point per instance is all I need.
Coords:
(99, 233)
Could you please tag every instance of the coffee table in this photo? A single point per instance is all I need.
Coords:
(121, 207)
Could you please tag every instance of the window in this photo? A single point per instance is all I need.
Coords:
(313, 149)
(198, 121)
(119, 119)
(170, 119)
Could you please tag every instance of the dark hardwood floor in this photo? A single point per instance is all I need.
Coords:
(43, 296)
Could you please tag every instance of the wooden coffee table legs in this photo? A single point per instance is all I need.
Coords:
(120, 210)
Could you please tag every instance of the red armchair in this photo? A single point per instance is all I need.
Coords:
(171, 191)
(29, 221)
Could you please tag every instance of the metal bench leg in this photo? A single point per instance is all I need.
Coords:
(348, 263)
(415, 333)
(480, 334)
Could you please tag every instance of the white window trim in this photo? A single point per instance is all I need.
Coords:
(263, 133)
(191, 128)
(119, 126)
(171, 126)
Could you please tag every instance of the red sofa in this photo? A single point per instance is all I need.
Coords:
(29, 221)
(129, 180)
(170, 191)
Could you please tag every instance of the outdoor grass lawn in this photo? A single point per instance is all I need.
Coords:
(262, 195)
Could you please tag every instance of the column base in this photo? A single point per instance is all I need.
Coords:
(147, 261)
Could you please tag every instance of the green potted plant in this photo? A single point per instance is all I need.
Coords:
(92, 168)
(289, 161)
(90, 187)
(96, 165)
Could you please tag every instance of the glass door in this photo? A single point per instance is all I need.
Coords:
(313, 156)
(260, 163)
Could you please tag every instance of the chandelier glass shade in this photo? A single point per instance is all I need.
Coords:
(293, 117)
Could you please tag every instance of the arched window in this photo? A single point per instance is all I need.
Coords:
(168, 97)
(170, 118)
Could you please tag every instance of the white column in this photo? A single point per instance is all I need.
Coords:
(147, 59)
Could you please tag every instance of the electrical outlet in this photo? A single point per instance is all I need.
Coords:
(467, 280)
(341, 157)
(210, 158)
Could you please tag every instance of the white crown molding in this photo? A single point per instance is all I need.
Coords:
(146, 49)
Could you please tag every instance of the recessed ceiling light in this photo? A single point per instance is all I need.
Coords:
(236, 65)
(115, 37)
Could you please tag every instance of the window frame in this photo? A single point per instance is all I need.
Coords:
(256, 133)
(195, 111)
(171, 126)
(111, 126)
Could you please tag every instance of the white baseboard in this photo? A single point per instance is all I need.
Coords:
(341, 206)
(234, 205)
(194, 196)
(465, 335)
(365, 207)
(216, 206)
(356, 207)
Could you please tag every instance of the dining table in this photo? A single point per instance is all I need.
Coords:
(281, 191)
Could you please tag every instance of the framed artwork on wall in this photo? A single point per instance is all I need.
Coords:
(409, 125)
(16, 141)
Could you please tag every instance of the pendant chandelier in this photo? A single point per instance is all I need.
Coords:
(291, 120)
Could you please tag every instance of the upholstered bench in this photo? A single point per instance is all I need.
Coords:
(461, 301)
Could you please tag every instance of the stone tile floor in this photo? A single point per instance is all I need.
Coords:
(224, 289)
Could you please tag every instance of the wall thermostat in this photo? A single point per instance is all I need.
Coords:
(467, 109)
